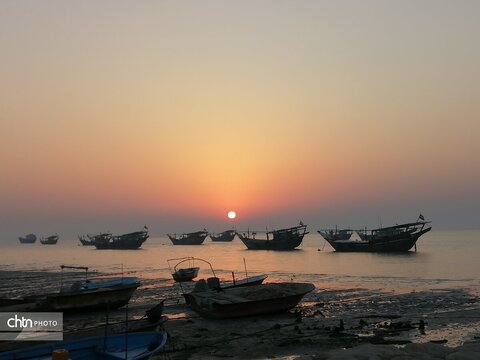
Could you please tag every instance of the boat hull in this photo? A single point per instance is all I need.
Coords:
(183, 275)
(248, 301)
(398, 243)
(284, 239)
(131, 241)
(225, 236)
(92, 299)
(29, 239)
(51, 240)
(135, 346)
(189, 239)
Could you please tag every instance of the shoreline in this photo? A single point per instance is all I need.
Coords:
(373, 320)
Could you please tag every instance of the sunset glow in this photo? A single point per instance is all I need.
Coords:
(315, 110)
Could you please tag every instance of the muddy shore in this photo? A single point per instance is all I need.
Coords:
(354, 323)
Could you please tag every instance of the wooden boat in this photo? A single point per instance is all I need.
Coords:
(186, 274)
(249, 300)
(131, 346)
(194, 238)
(398, 238)
(183, 274)
(49, 240)
(85, 295)
(89, 240)
(335, 234)
(284, 239)
(128, 241)
(27, 239)
(110, 294)
(227, 235)
(248, 281)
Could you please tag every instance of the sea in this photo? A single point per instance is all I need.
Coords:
(444, 259)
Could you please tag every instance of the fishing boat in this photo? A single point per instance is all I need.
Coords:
(284, 239)
(249, 300)
(130, 241)
(193, 238)
(27, 239)
(336, 234)
(131, 346)
(247, 281)
(227, 235)
(183, 274)
(87, 295)
(398, 238)
(89, 240)
(49, 240)
(187, 274)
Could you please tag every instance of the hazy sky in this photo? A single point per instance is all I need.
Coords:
(116, 114)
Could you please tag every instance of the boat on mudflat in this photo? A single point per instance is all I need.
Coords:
(131, 346)
(27, 239)
(398, 238)
(49, 240)
(248, 300)
(193, 238)
(130, 241)
(283, 239)
(110, 293)
(225, 236)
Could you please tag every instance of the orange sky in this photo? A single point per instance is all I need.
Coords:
(174, 113)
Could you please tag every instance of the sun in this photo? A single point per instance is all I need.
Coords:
(232, 214)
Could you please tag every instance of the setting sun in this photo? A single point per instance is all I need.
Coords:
(232, 214)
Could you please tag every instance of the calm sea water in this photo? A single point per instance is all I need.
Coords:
(444, 259)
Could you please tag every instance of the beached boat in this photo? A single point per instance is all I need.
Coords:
(109, 293)
(90, 295)
(28, 239)
(131, 346)
(398, 238)
(284, 239)
(128, 241)
(194, 238)
(249, 300)
(227, 235)
(182, 274)
(247, 281)
(186, 274)
(49, 240)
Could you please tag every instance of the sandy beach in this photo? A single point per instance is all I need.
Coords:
(349, 323)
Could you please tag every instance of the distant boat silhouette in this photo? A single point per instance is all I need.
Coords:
(49, 240)
(193, 238)
(28, 239)
(283, 239)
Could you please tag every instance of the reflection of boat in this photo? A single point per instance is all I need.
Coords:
(88, 295)
(224, 236)
(398, 238)
(132, 346)
(194, 238)
(128, 241)
(284, 239)
(28, 239)
(249, 300)
(49, 240)
(89, 240)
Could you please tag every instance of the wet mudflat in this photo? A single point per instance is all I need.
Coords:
(328, 323)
